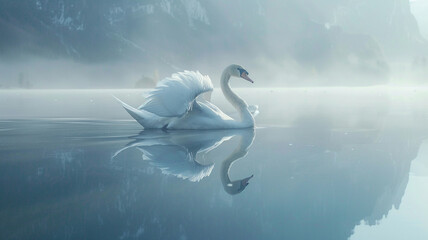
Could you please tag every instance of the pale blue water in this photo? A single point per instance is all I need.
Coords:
(325, 171)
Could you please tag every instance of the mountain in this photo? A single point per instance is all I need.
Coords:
(314, 42)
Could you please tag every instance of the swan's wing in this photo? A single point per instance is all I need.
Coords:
(177, 161)
(174, 96)
(204, 108)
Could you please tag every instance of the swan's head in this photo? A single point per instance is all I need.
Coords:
(238, 71)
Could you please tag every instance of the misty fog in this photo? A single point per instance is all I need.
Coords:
(133, 44)
(321, 133)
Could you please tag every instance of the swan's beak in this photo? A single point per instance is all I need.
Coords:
(244, 75)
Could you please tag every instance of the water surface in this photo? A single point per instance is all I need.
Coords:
(322, 164)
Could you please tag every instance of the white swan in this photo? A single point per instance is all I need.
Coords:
(174, 103)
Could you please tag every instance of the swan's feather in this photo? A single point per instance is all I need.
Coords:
(174, 96)
(145, 118)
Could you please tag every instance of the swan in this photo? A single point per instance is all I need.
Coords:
(176, 103)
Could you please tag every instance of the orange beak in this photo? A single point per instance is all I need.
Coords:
(245, 76)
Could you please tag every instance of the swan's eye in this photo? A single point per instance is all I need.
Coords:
(241, 71)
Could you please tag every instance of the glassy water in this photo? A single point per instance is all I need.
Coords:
(342, 164)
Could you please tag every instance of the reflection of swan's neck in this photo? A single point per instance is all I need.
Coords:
(241, 106)
(234, 187)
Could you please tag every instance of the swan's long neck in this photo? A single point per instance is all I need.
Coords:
(238, 103)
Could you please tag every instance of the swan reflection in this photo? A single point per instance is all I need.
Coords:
(184, 154)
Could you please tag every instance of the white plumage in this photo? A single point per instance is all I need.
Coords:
(174, 103)
(174, 96)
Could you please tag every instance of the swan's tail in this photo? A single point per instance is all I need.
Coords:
(144, 118)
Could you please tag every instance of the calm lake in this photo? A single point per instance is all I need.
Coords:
(322, 163)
